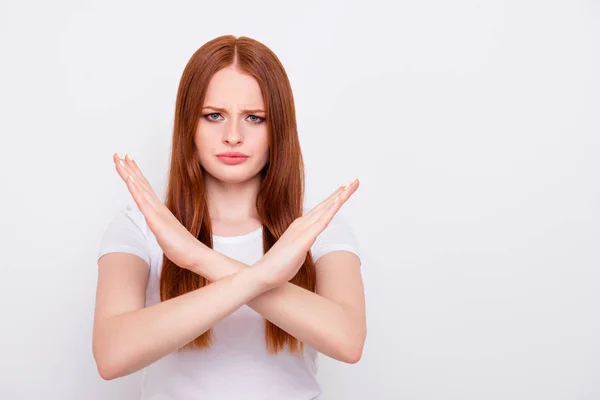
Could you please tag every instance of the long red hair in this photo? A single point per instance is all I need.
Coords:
(280, 197)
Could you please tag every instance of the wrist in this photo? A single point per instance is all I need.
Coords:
(259, 278)
(263, 275)
(251, 281)
(223, 266)
(201, 261)
(213, 265)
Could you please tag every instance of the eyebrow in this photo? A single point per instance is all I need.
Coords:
(253, 110)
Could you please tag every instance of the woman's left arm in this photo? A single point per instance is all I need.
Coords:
(332, 320)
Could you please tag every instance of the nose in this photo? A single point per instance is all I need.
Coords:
(232, 135)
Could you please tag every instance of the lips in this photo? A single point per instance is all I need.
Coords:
(232, 158)
(232, 154)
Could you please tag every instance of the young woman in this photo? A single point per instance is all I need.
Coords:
(230, 287)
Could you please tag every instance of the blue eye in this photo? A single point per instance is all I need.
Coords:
(258, 120)
(214, 117)
(208, 116)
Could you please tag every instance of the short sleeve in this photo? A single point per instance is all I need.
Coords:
(125, 233)
(337, 235)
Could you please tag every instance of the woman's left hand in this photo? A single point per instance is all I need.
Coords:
(177, 243)
(288, 254)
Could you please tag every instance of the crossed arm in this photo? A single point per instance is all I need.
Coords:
(332, 320)
(128, 336)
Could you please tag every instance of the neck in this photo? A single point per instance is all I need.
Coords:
(232, 202)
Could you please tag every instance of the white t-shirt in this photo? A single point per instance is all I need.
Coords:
(237, 365)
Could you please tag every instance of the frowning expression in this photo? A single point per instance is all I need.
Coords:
(232, 135)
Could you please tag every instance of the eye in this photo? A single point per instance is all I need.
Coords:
(211, 115)
(255, 119)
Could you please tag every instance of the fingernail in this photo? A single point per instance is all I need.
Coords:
(122, 163)
(129, 156)
(349, 183)
(120, 156)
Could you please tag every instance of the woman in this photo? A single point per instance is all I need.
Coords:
(230, 287)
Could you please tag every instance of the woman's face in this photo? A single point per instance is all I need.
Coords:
(232, 121)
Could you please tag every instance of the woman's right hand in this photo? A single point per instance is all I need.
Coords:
(176, 242)
(287, 255)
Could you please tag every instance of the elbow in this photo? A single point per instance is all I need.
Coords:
(111, 360)
(107, 367)
(106, 372)
(353, 352)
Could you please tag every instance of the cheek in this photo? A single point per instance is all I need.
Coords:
(205, 139)
(263, 142)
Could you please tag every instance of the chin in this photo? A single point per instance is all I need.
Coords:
(233, 179)
(230, 175)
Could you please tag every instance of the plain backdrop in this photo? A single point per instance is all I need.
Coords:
(473, 126)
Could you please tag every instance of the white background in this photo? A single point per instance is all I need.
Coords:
(473, 126)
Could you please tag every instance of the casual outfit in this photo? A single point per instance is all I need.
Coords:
(237, 365)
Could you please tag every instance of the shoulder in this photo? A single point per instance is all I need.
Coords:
(127, 232)
(130, 217)
(337, 235)
(131, 211)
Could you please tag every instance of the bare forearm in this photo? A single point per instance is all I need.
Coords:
(319, 322)
(131, 341)
(315, 320)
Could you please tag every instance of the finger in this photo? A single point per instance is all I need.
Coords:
(137, 190)
(130, 169)
(145, 200)
(315, 229)
(317, 211)
(122, 168)
(345, 195)
(137, 172)
(325, 218)
(125, 169)
(141, 197)
(319, 207)
(327, 214)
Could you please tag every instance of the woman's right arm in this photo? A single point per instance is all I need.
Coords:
(128, 336)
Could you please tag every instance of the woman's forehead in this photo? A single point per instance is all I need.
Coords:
(232, 90)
